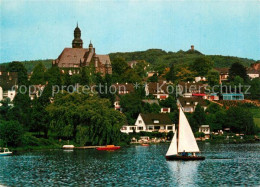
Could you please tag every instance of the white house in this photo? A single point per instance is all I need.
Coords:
(206, 130)
(1, 93)
(252, 73)
(150, 123)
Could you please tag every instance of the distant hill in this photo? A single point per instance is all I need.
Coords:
(160, 57)
(29, 65)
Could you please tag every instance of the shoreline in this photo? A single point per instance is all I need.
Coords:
(59, 147)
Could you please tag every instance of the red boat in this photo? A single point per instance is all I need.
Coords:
(108, 148)
(145, 144)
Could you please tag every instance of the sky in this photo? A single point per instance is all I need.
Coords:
(32, 30)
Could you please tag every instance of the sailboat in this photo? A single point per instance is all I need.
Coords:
(183, 142)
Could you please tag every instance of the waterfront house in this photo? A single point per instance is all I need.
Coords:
(206, 130)
(150, 123)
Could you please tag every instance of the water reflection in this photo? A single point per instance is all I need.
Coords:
(184, 172)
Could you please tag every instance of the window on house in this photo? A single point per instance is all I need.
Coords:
(169, 127)
(132, 128)
(140, 121)
(155, 121)
(156, 127)
(150, 127)
(140, 128)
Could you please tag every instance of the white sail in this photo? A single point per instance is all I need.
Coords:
(173, 146)
(186, 139)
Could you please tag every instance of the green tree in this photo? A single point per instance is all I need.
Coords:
(254, 91)
(119, 67)
(213, 77)
(151, 108)
(20, 69)
(85, 79)
(171, 75)
(11, 132)
(237, 69)
(132, 106)
(202, 65)
(240, 120)
(199, 117)
(38, 74)
(91, 118)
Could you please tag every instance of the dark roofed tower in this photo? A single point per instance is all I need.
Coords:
(77, 42)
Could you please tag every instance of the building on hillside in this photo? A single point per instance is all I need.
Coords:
(233, 96)
(77, 57)
(213, 97)
(122, 89)
(189, 103)
(165, 110)
(150, 123)
(252, 73)
(159, 89)
(223, 74)
(152, 73)
(36, 91)
(151, 101)
(198, 79)
(256, 66)
(117, 104)
(206, 130)
(190, 89)
(8, 84)
(132, 63)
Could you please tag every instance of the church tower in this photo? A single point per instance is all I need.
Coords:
(77, 42)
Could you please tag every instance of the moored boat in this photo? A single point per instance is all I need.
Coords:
(183, 145)
(145, 144)
(5, 152)
(108, 148)
(68, 147)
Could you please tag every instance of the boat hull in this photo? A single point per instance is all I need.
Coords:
(108, 148)
(6, 154)
(178, 157)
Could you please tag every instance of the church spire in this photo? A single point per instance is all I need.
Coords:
(77, 42)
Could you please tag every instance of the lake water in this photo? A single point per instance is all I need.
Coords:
(225, 164)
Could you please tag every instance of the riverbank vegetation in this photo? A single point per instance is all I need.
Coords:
(90, 119)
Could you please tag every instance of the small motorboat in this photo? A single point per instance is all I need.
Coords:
(5, 152)
(108, 148)
(68, 147)
(145, 144)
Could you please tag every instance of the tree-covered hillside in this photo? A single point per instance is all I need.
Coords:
(158, 57)
(29, 65)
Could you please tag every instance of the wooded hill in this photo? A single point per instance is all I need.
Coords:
(159, 58)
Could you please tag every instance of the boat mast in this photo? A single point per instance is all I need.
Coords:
(178, 130)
